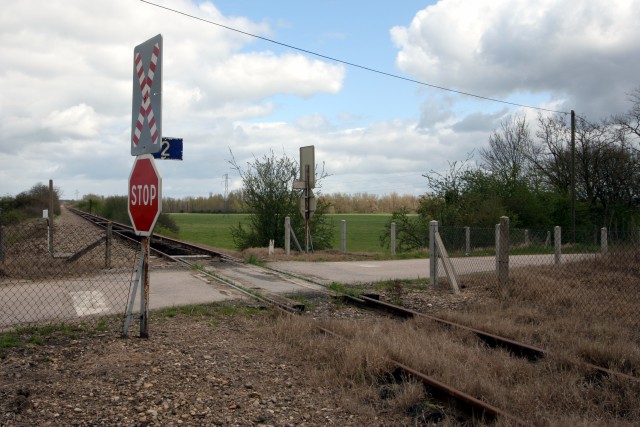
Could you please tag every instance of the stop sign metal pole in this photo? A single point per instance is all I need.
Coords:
(144, 291)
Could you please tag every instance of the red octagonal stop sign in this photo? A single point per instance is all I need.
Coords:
(145, 195)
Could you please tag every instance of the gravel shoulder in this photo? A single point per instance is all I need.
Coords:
(222, 370)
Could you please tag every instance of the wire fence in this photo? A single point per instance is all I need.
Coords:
(71, 271)
(594, 273)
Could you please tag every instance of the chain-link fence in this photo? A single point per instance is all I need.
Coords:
(70, 271)
(594, 273)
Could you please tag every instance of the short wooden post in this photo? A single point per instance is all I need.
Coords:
(557, 242)
(433, 254)
(393, 238)
(503, 258)
(343, 236)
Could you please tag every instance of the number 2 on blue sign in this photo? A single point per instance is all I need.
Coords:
(164, 146)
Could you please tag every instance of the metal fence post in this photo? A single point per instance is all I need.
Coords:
(393, 238)
(557, 241)
(467, 235)
(287, 235)
(433, 253)
(343, 236)
(604, 243)
(503, 258)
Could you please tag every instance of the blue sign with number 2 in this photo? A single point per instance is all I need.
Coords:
(171, 149)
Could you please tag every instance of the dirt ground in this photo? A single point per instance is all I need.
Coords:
(222, 370)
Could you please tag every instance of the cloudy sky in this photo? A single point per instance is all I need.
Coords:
(66, 71)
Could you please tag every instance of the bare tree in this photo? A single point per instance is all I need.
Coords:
(509, 149)
(629, 123)
(607, 169)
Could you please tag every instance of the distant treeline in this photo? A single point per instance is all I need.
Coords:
(338, 202)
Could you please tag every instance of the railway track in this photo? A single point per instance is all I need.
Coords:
(476, 409)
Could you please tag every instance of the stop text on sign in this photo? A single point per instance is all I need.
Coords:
(143, 195)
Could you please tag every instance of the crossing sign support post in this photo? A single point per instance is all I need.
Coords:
(145, 183)
(308, 176)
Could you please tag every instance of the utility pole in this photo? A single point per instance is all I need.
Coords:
(573, 176)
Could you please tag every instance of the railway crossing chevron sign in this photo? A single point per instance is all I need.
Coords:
(145, 195)
(146, 117)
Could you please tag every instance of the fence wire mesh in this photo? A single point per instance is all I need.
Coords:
(69, 272)
(594, 273)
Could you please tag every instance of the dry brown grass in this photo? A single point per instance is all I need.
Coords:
(550, 392)
(581, 312)
(586, 310)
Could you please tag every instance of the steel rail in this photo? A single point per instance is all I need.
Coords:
(517, 348)
(530, 352)
(155, 238)
(474, 408)
(97, 220)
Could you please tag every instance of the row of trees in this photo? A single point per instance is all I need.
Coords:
(538, 178)
(343, 203)
(236, 202)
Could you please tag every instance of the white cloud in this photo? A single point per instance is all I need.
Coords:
(78, 121)
(499, 47)
(262, 74)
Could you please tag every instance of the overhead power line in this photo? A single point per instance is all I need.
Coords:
(373, 70)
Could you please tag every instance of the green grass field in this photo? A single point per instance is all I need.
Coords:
(363, 230)
(209, 229)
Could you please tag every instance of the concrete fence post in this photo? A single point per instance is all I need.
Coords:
(547, 241)
(433, 253)
(1, 242)
(503, 257)
(497, 238)
(107, 252)
(343, 236)
(467, 237)
(287, 235)
(604, 243)
(51, 216)
(393, 238)
(557, 242)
